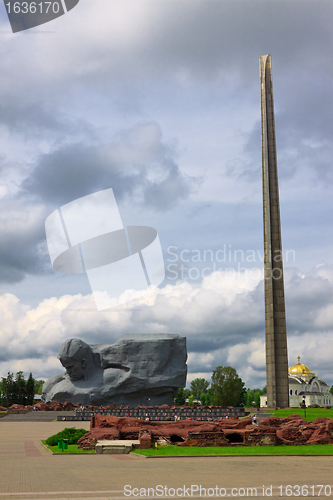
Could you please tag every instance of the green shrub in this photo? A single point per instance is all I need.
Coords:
(70, 433)
(257, 399)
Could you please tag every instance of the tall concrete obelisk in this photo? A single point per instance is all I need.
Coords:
(275, 316)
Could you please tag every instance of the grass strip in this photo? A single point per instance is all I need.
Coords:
(172, 450)
(72, 448)
(311, 413)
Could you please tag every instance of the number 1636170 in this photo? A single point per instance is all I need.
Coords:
(32, 7)
(297, 490)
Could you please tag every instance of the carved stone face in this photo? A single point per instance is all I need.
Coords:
(76, 369)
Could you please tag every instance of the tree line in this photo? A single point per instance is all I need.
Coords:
(18, 390)
(226, 389)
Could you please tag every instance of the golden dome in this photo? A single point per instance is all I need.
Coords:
(299, 369)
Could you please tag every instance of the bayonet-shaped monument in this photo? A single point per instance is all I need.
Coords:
(275, 316)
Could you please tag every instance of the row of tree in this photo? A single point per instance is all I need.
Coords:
(226, 389)
(18, 390)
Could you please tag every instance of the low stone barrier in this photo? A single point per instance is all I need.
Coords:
(11, 411)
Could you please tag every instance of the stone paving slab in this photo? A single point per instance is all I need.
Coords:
(29, 472)
(119, 442)
(116, 446)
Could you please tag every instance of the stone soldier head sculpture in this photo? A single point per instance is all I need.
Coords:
(134, 369)
(77, 358)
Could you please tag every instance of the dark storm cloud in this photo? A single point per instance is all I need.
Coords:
(175, 187)
(209, 39)
(210, 36)
(21, 352)
(214, 43)
(139, 164)
(32, 119)
(226, 39)
(305, 297)
(304, 127)
(22, 248)
(75, 170)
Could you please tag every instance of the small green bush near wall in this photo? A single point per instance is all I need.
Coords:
(70, 433)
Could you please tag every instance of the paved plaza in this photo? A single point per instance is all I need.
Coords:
(29, 471)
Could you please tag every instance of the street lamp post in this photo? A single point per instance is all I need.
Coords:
(304, 404)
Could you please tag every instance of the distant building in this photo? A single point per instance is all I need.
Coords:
(304, 383)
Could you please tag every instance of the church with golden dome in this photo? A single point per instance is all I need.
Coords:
(304, 385)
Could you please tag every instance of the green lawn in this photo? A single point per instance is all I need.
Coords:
(163, 451)
(72, 448)
(311, 413)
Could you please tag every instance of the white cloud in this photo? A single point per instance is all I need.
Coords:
(192, 376)
(40, 368)
(252, 354)
(222, 319)
(315, 349)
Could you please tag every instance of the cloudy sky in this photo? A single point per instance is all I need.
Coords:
(159, 100)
